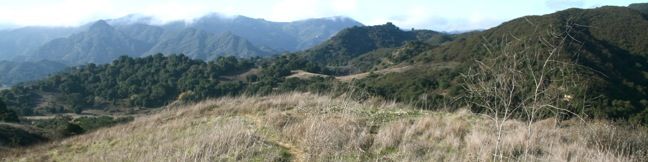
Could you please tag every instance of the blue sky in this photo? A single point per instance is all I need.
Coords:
(443, 15)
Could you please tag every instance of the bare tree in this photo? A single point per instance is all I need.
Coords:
(524, 78)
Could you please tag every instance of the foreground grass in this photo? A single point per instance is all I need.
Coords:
(306, 127)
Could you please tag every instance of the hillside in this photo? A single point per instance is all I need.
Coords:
(128, 83)
(100, 44)
(607, 45)
(198, 44)
(353, 42)
(135, 35)
(280, 36)
(16, 43)
(17, 72)
(103, 43)
(641, 7)
(307, 127)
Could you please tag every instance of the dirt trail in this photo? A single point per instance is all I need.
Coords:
(297, 154)
(301, 74)
(382, 71)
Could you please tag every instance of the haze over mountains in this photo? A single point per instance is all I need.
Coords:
(204, 38)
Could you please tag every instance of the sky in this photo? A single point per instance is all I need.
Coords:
(441, 15)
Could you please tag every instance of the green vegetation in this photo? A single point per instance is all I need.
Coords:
(16, 136)
(65, 126)
(355, 41)
(608, 44)
(60, 126)
(93, 123)
(7, 115)
(641, 7)
(429, 89)
(151, 81)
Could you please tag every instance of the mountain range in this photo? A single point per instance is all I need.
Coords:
(203, 38)
(17, 72)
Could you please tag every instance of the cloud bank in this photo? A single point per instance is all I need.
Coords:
(422, 14)
(564, 4)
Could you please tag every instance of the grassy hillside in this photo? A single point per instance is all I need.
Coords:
(307, 127)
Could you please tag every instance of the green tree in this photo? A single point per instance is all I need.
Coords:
(7, 115)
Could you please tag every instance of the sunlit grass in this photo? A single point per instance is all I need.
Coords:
(307, 127)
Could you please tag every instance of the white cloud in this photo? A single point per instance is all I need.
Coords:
(168, 11)
(429, 14)
(344, 5)
(67, 12)
(286, 10)
(77, 12)
(564, 4)
(290, 10)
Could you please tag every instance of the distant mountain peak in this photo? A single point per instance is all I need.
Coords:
(100, 25)
(228, 34)
(341, 18)
(353, 42)
(205, 37)
(389, 25)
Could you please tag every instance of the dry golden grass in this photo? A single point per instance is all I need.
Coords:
(307, 127)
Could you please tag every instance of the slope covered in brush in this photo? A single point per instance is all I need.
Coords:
(641, 7)
(353, 42)
(150, 81)
(608, 44)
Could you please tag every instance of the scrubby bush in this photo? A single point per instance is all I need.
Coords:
(7, 115)
(93, 123)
